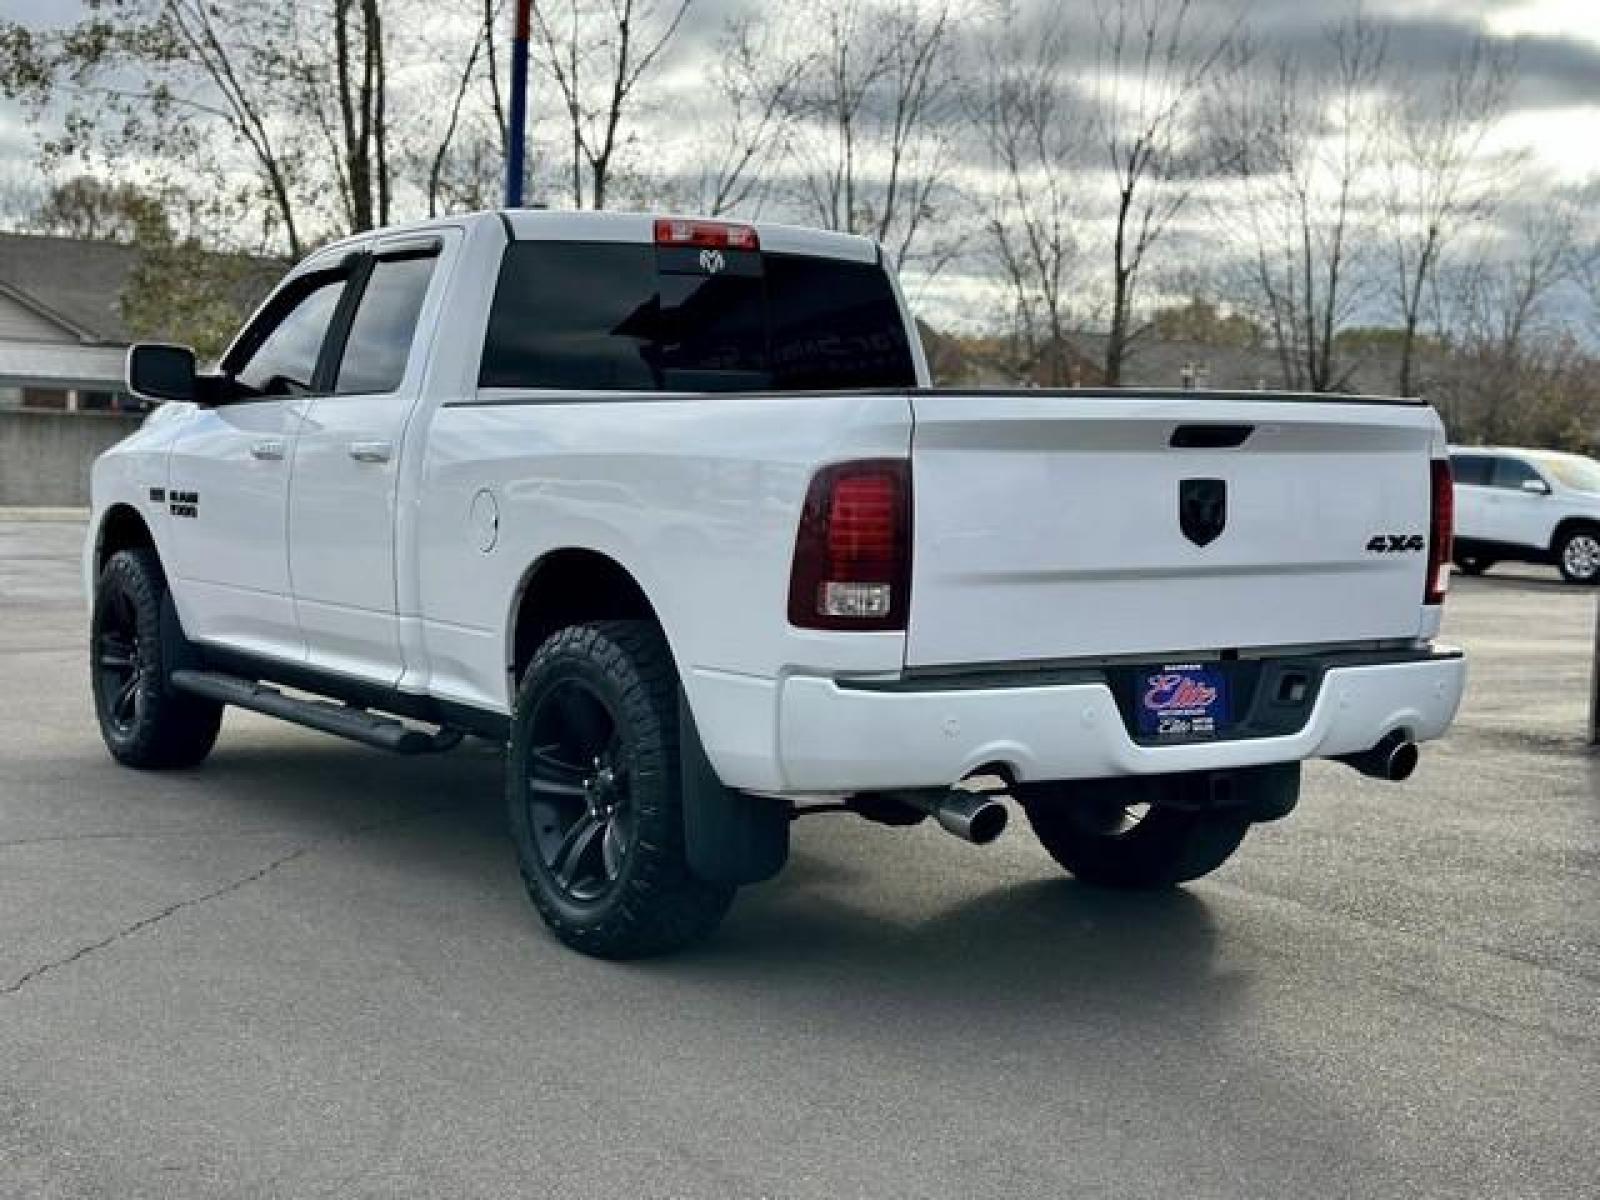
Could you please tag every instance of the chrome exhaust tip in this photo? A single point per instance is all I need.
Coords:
(971, 817)
(1394, 758)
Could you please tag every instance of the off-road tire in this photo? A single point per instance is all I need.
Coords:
(655, 904)
(1164, 847)
(144, 723)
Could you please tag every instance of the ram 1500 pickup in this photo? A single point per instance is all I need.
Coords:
(668, 508)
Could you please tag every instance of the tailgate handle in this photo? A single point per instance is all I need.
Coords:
(1210, 437)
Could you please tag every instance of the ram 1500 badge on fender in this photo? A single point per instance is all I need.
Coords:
(668, 508)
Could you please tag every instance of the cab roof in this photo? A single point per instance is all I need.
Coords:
(538, 224)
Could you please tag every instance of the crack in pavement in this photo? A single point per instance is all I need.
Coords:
(156, 835)
(37, 973)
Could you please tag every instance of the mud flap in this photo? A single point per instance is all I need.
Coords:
(730, 836)
(178, 653)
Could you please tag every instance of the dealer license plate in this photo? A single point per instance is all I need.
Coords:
(1183, 701)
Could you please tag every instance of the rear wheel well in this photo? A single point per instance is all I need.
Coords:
(572, 587)
(121, 529)
(1571, 525)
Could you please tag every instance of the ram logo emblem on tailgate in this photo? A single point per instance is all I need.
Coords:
(1202, 509)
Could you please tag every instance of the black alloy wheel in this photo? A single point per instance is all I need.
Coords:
(595, 798)
(143, 722)
(580, 804)
(119, 674)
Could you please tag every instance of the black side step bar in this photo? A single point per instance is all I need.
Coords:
(357, 724)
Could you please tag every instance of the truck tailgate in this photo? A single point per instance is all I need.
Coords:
(1075, 525)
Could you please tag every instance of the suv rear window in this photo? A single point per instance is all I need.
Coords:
(1471, 468)
(609, 316)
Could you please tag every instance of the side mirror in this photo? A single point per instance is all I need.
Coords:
(1537, 487)
(158, 371)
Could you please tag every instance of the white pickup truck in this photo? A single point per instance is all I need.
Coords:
(668, 508)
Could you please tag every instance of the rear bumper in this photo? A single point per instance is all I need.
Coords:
(841, 738)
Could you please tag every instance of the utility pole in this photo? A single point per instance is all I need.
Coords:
(519, 105)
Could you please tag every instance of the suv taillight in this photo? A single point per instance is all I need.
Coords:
(852, 557)
(1441, 530)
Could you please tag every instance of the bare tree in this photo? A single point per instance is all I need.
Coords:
(281, 114)
(875, 118)
(344, 96)
(439, 160)
(152, 80)
(1441, 180)
(1509, 335)
(362, 88)
(1302, 150)
(1586, 258)
(86, 207)
(1153, 66)
(211, 93)
(1031, 123)
(497, 104)
(598, 52)
(753, 82)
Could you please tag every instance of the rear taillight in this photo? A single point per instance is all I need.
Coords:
(1441, 530)
(852, 557)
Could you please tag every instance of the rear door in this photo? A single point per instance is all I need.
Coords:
(1070, 525)
(1472, 473)
(343, 500)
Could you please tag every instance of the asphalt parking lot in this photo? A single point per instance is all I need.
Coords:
(309, 969)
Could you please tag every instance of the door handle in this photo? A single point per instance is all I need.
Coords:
(372, 452)
(270, 450)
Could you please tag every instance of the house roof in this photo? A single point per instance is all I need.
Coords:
(75, 283)
(62, 366)
(79, 284)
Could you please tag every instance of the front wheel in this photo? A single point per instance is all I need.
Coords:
(595, 795)
(1578, 555)
(1148, 832)
(142, 721)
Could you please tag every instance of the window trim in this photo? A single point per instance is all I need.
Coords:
(290, 294)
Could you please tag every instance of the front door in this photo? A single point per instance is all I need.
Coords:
(1514, 515)
(343, 500)
(228, 478)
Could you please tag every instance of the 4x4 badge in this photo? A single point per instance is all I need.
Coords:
(1396, 543)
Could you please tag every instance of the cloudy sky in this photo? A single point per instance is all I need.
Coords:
(1553, 115)
(1556, 111)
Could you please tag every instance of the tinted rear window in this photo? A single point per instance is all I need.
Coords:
(599, 316)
